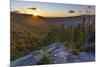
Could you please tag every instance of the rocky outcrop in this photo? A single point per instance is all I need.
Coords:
(57, 54)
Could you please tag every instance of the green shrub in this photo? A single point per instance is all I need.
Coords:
(44, 48)
(44, 60)
(74, 51)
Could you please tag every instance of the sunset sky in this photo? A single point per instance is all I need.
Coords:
(51, 9)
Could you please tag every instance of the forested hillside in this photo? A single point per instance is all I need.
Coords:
(30, 33)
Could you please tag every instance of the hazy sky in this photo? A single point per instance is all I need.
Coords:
(51, 9)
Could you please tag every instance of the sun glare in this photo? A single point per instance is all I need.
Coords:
(35, 14)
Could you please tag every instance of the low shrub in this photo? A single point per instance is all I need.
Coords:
(74, 51)
(44, 60)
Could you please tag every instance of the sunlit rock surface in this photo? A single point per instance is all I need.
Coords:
(57, 54)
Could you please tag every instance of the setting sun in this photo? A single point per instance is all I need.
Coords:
(35, 14)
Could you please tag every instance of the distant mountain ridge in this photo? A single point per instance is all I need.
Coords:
(65, 20)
